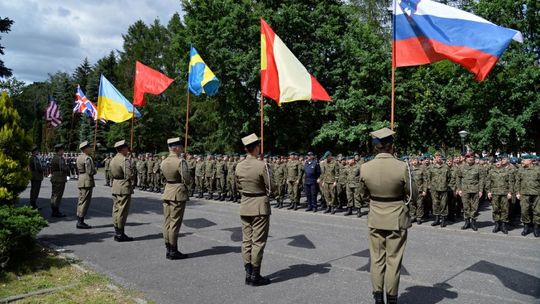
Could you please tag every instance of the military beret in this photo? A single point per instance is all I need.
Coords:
(526, 156)
(327, 154)
(310, 153)
(58, 147)
(35, 148)
(120, 144)
(250, 139)
(173, 141)
(83, 145)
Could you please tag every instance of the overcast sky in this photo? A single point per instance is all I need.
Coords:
(53, 35)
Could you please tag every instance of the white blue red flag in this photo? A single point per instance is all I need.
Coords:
(84, 105)
(426, 31)
(52, 113)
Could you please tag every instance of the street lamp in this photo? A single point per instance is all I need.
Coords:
(463, 134)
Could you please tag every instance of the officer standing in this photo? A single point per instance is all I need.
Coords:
(312, 172)
(294, 177)
(175, 195)
(60, 172)
(254, 183)
(142, 172)
(470, 182)
(420, 180)
(87, 170)
(221, 172)
(210, 175)
(328, 181)
(231, 185)
(199, 176)
(150, 169)
(36, 171)
(500, 186)
(528, 194)
(280, 181)
(353, 195)
(106, 164)
(386, 182)
(439, 176)
(122, 188)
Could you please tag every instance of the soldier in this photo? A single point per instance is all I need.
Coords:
(328, 181)
(439, 176)
(134, 164)
(353, 194)
(210, 175)
(221, 174)
(280, 181)
(122, 188)
(416, 208)
(60, 172)
(341, 187)
(528, 193)
(470, 184)
(499, 185)
(106, 164)
(231, 185)
(254, 183)
(157, 174)
(312, 172)
(142, 172)
(150, 169)
(175, 195)
(191, 163)
(293, 180)
(199, 176)
(36, 178)
(385, 182)
(87, 170)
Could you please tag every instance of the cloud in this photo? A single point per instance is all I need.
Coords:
(56, 35)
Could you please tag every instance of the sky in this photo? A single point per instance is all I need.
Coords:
(56, 35)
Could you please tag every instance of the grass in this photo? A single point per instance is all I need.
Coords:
(48, 270)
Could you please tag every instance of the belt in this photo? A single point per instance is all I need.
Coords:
(172, 183)
(387, 199)
(253, 194)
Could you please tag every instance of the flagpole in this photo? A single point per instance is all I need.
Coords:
(262, 125)
(71, 131)
(132, 127)
(46, 137)
(95, 137)
(393, 65)
(187, 123)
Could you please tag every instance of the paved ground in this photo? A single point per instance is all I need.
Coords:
(311, 258)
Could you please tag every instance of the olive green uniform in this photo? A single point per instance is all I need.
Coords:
(353, 181)
(294, 178)
(221, 174)
(439, 176)
(157, 175)
(122, 188)
(176, 193)
(470, 180)
(108, 177)
(143, 173)
(329, 176)
(60, 172)
(416, 208)
(36, 171)
(341, 186)
(199, 176)
(528, 187)
(87, 170)
(280, 181)
(385, 182)
(209, 176)
(253, 182)
(231, 184)
(150, 177)
(499, 183)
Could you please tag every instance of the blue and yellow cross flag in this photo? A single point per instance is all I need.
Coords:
(112, 105)
(201, 79)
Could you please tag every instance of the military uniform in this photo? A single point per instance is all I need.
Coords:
(341, 186)
(294, 179)
(385, 182)
(143, 173)
(280, 180)
(353, 193)
(328, 179)
(175, 195)
(156, 172)
(221, 182)
(416, 207)
(254, 182)
(470, 183)
(191, 163)
(439, 176)
(500, 184)
(199, 177)
(106, 164)
(150, 178)
(209, 176)
(231, 185)
(528, 188)
(36, 171)
(60, 172)
(122, 188)
(87, 170)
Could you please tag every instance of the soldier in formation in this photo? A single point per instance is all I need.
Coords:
(86, 170)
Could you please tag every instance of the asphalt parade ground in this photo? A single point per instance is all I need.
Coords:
(311, 258)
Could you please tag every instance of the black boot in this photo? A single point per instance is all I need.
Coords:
(496, 227)
(280, 204)
(174, 254)
(359, 212)
(291, 206)
(437, 221)
(249, 272)
(81, 224)
(526, 229)
(391, 299)
(443, 221)
(349, 211)
(473, 225)
(466, 225)
(120, 236)
(504, 229)
(419, 221)
(56, 213)
(309, 209)
(536, 230)
(295, 206)
(378, 296)
(257, 279)
(328, 210)
(168, 247)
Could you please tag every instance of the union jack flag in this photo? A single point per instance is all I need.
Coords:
(85, 106)
(52, 113)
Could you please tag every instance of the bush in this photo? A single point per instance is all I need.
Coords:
(18, 230)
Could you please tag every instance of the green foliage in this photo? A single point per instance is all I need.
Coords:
(14, 147)
(5, 26)
(18, 230)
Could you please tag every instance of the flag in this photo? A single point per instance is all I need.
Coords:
(112, 105)
(84, 105)
(201, 79)
(426, 31)
(148, 80)
(52, 113)
(283, 77)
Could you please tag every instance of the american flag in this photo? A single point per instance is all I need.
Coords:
(84, 105)
(52, 113)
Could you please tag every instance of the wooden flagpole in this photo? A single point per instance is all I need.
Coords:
(393, 65)
(95, 137)
(187, 124)
(132, 127)
(262, 125)
(46, 137)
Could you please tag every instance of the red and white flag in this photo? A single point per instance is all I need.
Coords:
(52, 113)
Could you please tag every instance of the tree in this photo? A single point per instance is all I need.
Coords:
(5, 26)
(14, 147)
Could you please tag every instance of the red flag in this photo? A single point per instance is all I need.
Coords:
(148, 80)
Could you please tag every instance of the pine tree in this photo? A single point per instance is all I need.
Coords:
(14, 146)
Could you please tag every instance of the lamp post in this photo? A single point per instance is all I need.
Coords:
(463, 134)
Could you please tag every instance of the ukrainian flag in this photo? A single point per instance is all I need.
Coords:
(201, 79)
(112, 105)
